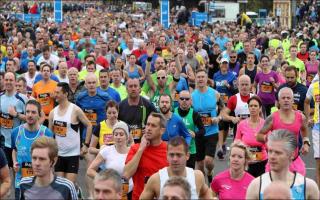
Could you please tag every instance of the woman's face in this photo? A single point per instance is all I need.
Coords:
(237, 159)
(313, 56)
(119, 136)
(254, 108)
(265, 62)
(112, 113)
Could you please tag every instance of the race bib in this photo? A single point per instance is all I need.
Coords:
(256, 153)
(6, 121)
(125, 189)
(176, 96)
(266, 87)
(26, 169)
(60, 128)
(136, 133)
(44, 99)
(91, 115)
(107, 139)
(243, 116)
(206, 119)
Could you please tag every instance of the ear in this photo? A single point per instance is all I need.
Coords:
(188, 155)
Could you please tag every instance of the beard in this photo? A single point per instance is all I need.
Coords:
(164, 110)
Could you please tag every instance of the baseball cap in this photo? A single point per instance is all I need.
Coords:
(224, 60)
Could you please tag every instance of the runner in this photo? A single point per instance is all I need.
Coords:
(176, 188)
(107, 185)
(104, 85)
(22, 137)
(44, 184)
(282, 145)
(177, 156)
(141, 157)
(64, 121)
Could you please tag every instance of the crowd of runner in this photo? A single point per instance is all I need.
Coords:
(149, 109)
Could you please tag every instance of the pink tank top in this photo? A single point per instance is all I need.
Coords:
(293, 127)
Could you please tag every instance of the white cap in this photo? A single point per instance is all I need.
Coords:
(224, 60)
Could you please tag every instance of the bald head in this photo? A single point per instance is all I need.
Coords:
(91, 83)
(244, 85)
(277, 190)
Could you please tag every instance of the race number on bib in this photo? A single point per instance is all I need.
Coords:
(266, 87)
(60, 128)
(26, 169)
(6, 121)
(44, 99)
(136, 133)
(206, 119)
(107, 139)
(256, 153)
(91, 115)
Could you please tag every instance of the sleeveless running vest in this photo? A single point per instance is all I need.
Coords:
(67, 138)
(242, 109)
(164, 176)
(105, 135)
(297, 189)
(252, 74)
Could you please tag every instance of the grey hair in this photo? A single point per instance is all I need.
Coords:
(289, 139)
(163, 120)
(110, 174)
(283, 89)
(179, 182)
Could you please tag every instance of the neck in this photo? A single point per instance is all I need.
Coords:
(121, 148)
(283, 175)
(10, 93)
(111, 122)
(44, 180)
(254, 118)
(134, 101)
(45, 80)
(33, 127)
(224, 72)
(92, 93)
(168, 115)
(117, 84)
(236, 174)
(286, 111)
(203, 89)
(64, 104)
(250, 66)
(178, 173)
(265, 70)
(156, 142)
(104, 87)
(31, 74)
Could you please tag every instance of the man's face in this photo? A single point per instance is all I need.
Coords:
(244, 86)
(63, 68)
(161, 78)
(164, 104)
(201, 79)
(45, 72)
(291, 78)
(104, 79)
(32, 114)
(173, 193)
(133, 88)
(185, 100)
(293, 52)
(41, 163)
(30, 51)
(9, 82)
(278, 157)
(104, 189)
(10, 66)
(280, 53)
(286, 100)
(153, 129)
(91, 84)
(159, 64)
(46, 55)
(59, 95)
(60, 51)
(91, 68)
(21, 87)
(177, 158)
(303, 49)
(73, 76)
(116, 76)
(246, 46)
(250, 59)
(233, 57)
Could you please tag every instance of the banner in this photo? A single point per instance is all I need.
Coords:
(198, 18)
(58, 11)
(165, 13)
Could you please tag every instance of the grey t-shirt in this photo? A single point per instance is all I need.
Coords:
(60, 188)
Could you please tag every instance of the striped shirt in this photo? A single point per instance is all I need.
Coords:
(60, 188)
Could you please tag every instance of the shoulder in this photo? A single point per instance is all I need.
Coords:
(27, 181)
(63, 182)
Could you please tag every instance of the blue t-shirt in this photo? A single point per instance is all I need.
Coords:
(22, 142)
(143, 62)
(181, 85)
(175, 127)
(222, 42)
(112, 92)
(24, 63)
(219, 81)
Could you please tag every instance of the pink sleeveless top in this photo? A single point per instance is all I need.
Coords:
(293, 127)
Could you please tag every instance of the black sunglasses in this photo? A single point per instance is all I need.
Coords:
(163, 77)
(184, 99)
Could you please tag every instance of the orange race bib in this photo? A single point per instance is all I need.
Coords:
(26, 169)
(60, 128)
(206, 119)
(176, 96)
(125, 189)
(266, 87)
(6, 121)
(91, 115)
(107, 139)
(44, 99)
(136, 133)
(256, 153)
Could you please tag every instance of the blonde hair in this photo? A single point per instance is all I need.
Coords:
(46, 142)
(247, 154)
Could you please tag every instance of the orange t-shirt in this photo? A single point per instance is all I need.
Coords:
(43, 94)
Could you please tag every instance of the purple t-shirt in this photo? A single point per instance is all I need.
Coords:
(227, 188)
(266, 91)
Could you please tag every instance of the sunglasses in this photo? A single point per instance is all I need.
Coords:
(233, 56)
(163, 77)
(184, 99)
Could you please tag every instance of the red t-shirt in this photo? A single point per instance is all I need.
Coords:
(152, 160)
(138, 53)
(303, 57)
(103, 62)
(232, 102)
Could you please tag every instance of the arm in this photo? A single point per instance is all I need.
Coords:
(204, 191)
(267, 126)
(92, 170)
(241, 72)
(304, 133)
(93, 144)
(131, 167)
(307, 108)
(5, 183)
(190, 73)
(14, 160)
(312, 191)
(141, 73)
(85, 121)
(50, 119)
(150, 188)
(184, 132)
(176, 75)
(253, 189)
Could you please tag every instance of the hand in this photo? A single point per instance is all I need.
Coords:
(15, 166)
(192, 133)
(150, 48)
(84, 150)
(305, 149)
(144, 143)
(215, 120)
(12, 111)
(235, 120)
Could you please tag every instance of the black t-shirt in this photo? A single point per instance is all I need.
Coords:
(299, 94)
(3, 159)
(132, 115)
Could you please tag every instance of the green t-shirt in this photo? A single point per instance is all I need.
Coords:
(122, 90)
(145, 88)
